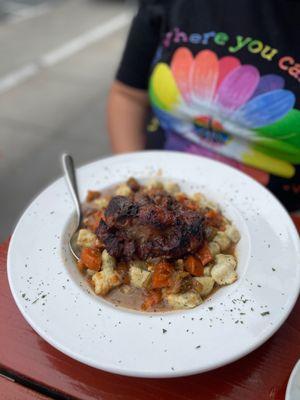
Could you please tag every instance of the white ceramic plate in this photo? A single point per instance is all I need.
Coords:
(57, 303)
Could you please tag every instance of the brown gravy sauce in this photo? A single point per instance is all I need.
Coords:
(133, 298)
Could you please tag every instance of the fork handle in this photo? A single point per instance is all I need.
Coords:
(70, 175)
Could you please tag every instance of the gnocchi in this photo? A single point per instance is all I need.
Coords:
(204, 202)
(86, 238)
(154, 184)
(222, 240)
(232, 233)
(172, 187)
(100, 203)
(223, 272)
(123, 190)
(184, 300)
(214, 248)
(207, 284)
(139, 277)
(107, 278)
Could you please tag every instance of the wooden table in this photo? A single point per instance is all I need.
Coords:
(43, 372)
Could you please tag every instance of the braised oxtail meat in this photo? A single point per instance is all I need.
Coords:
(148, 225)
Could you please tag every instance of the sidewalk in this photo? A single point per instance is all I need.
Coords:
(62, 106)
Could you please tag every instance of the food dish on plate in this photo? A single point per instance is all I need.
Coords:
(57, 302)
(153, 248)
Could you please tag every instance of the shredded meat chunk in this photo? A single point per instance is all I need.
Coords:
(150, 224)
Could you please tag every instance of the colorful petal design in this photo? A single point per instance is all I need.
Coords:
(164, 87)
(204, 76)
(226, 65)
(167, 121)
(268, 163)
(181, 66)
(287, 128)
(280, 150)
(228, 108)
(237, 87)
(255, 173)
(267, 83)
(265, 108)
(172, 123)
(153, 98)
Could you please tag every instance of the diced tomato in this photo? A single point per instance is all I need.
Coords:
(194, 266)
(91, 258)
(92, 195)
(154, 297)
(162, 275)
(204, 254)
(213, 218)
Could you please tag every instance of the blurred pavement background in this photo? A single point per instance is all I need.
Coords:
(58, 58)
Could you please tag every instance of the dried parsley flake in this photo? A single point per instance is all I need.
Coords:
(265, 313)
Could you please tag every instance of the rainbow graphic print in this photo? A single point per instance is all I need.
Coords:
(228, 108)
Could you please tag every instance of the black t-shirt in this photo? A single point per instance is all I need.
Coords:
(223, 79)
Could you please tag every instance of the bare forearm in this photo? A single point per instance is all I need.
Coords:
(126, 117)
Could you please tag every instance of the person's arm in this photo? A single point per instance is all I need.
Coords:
(127, 111)
(128, 103)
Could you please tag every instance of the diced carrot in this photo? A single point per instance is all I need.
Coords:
(194, 266)
(92, 195)
(80, 266)
(191, 205)
(213, 218)
(181, 197)
(211, 214)
(91, 258)
(204, 254)
(154, 297)
(161, 275)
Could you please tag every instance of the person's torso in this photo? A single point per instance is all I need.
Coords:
(225, 84)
